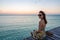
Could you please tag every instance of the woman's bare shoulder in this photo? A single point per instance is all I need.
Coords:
(43, 22)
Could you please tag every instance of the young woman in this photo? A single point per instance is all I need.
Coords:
(42, 22)
(40, 33)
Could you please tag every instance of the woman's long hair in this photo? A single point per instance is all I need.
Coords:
(44, 16)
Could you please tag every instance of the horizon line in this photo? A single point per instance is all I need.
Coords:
(24, 14)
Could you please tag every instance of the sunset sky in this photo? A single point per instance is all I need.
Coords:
(29, 6)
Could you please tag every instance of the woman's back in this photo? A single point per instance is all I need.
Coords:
(42, 25)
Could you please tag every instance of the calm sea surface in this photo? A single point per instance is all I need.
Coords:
(19, 27)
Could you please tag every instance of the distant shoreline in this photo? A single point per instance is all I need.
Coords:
(27, 14)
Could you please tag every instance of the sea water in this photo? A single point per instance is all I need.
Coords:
(19, 27)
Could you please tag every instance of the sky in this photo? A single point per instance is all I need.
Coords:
(29, 6)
